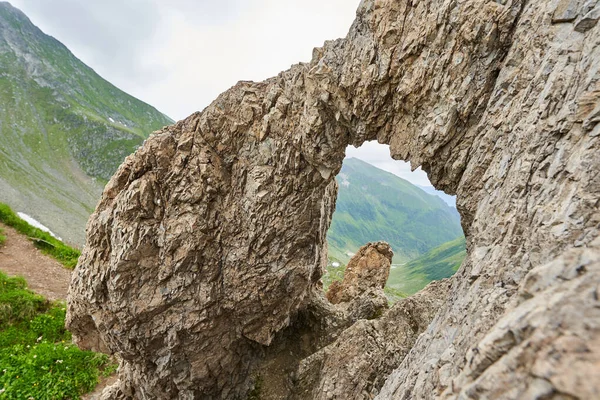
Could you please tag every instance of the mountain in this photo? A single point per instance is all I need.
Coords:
(63, 129)
(439, 263)
(376, 205)
(450, 200)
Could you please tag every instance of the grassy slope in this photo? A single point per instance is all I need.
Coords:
(376, 205)
(439, 263)
(37, 359)
(58, 145)
(53, 247)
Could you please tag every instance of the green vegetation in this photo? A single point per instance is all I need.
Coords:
(375, 205)
(407, 279)
(394, 295)
(64, 130)
(333, 274)
(439, 263)
(255, 393)
(2, 237)
(37, 359)
(66, 255)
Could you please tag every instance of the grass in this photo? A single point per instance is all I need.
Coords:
(393, 295)
(439, 263)
(332, 273)
(37, 358)
(66, 255)
(2, 237)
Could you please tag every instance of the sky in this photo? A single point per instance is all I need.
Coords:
(179, 55)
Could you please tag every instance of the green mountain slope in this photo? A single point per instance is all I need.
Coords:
(63, 129)
(376, 205)
(439, 263)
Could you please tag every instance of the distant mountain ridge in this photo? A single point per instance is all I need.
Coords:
(450, 200)
(64, 130)
(376, 205)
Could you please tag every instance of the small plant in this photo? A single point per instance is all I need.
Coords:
(66, 255)
(335, 272)
(17, 304)
(2, 237)
(48, 371)
(255, 393)
(37, 359)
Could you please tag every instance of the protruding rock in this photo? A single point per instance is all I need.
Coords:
(368, 270)
(566, 11)
(589, 20)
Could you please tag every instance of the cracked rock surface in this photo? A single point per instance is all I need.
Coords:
(210, 239)
(357, 363)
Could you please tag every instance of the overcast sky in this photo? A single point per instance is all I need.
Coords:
(178, 55)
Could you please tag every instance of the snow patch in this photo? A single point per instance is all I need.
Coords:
(335, 264)
(111, 120)
(36, 224)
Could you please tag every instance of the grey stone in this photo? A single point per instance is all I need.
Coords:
(589, 20)
(566, 11)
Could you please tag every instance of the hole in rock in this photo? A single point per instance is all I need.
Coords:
(381, 199)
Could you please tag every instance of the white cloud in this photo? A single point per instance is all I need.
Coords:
(379, 156)
(266, 38)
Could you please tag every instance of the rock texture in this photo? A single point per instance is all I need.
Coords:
(367, 272)
(210, 239)
(357, 363)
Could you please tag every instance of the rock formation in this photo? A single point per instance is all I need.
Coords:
(209, 241)
(360, 295)
(300, 361)
(357, 363)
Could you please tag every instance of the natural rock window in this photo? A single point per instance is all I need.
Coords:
(382, 199)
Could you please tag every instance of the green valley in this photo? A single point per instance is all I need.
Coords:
(439, 263)
(374, 205)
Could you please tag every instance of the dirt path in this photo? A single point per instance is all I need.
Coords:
(44, 275)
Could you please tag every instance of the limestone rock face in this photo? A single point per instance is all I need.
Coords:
(209, 240)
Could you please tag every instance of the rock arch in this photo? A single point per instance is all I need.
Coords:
(210, 238)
